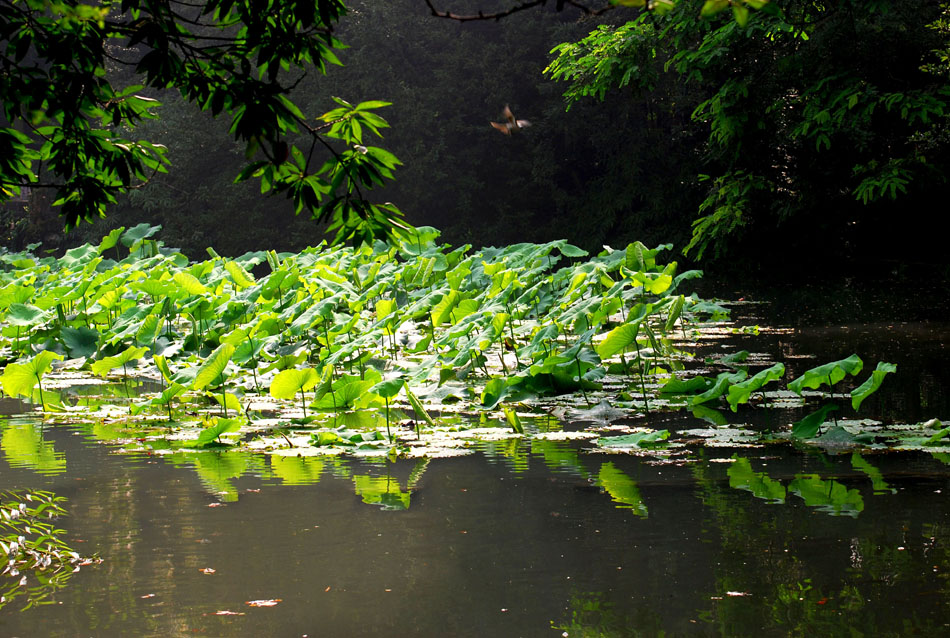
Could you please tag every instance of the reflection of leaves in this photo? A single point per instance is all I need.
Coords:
(741, 477)
(24, 446)
(622, 489)
(878, 483)
(827, 495)
(381, 490)
(297, 470)
(558, 455)
(217, 468)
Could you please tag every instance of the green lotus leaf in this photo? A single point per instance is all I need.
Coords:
(809, 426)
(104, 366)
(21, 378)
(211, 434)
(213, 367)
(288, 383)
(829, 373)
(871, 385)
(740, 392)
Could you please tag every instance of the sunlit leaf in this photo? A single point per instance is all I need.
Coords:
(213, 367)
(211, 433)
(105, 365)
(21, 378)
(288, 383)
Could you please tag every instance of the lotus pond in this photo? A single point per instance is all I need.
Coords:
(528, 441)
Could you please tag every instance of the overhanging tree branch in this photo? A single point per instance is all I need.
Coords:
(527, 4)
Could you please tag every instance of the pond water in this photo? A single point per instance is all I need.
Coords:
(524, 538)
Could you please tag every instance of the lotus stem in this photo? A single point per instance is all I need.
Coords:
(834, 417)
(501, 355)
(643, 385)
(388, 433)
(580, 381)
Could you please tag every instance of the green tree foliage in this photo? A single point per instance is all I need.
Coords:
(74, 79)
(816, 114)
(570, 174)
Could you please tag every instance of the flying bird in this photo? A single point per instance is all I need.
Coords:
(510, 124)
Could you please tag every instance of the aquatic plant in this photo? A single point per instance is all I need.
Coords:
(830, 374)
(501, 329)
(20, 378)
(36, 559)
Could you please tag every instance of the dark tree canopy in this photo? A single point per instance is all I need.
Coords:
(73, 78)
(818, 115)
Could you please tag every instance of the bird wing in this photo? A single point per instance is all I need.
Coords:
(501, 127)
(509, 116)
(523, 123)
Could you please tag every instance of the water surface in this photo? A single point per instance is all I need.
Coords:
(524, 538)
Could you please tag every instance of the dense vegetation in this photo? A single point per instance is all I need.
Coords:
(818, 116)
(327, 342)
(808, 137)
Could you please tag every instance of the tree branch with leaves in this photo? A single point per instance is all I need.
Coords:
(74, 80)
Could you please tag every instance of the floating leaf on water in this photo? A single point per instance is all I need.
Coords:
(637, 439)
(218, 427)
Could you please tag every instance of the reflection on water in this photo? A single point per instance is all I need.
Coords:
(23, 445)
(543, 541)
(528, 537)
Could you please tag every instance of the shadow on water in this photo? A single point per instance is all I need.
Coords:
(526, 537)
